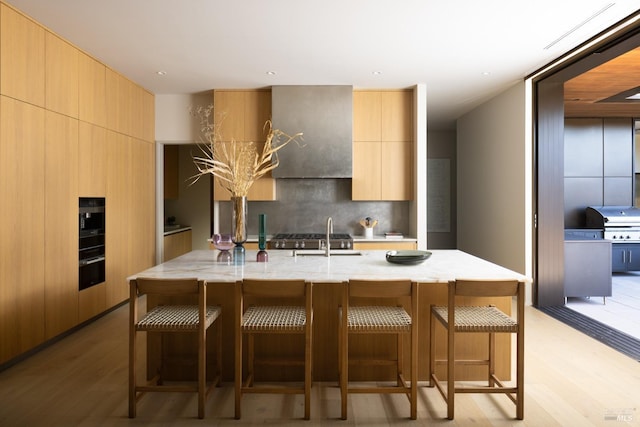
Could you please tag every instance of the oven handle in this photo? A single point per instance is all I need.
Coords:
(84, 262)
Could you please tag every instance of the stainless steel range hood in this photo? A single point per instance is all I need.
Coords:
(324, 114)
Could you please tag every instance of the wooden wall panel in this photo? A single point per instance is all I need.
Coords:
(61, 223)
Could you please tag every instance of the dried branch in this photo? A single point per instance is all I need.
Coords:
(236, 164)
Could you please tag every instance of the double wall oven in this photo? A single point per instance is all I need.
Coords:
(91, 248)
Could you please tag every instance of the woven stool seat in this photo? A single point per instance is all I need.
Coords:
(173, 317)
(274, 318)
(379, 319)
(478, 319)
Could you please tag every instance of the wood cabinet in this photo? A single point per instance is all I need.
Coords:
(119, 102)
(61, 76)
(389, 246)
(22, 249)
(61, 225)
(242, 115)
(22, 63)
(58, 142)
(382, 145)
(92, 90)
(92, 160)
(177, 244)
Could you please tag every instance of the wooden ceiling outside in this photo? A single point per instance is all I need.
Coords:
(582, 93)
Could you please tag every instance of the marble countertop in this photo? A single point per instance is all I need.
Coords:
(168, 230)
(442, 266)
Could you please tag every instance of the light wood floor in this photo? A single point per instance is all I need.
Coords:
(571, 380)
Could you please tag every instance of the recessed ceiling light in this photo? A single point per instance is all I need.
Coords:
(376, 73)
(161, 73)
(486, 73)
(271, 73)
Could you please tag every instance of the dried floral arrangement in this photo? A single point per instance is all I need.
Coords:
(237, 164)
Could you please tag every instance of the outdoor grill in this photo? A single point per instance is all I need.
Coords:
(620, 223)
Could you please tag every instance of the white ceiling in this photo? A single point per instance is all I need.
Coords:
(464, 51)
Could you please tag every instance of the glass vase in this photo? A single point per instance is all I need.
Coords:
(239, 220)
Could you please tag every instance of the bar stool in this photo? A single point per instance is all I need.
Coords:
(473, 319)
(170, 318)
(268, 315)
(392, 318)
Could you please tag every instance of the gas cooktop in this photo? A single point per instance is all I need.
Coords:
(310, 241)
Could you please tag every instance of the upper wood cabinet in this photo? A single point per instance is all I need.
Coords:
(61, 76)
(92, 90)
(242, 115)
(383, 145)
(22, 57)
(92, 160)
(119, 102)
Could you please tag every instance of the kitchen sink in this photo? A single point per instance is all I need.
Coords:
(321, 252)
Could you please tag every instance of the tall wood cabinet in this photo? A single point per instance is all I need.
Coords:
(70, 127)
(22, 228)
(61, 228)
(383, 145)
(242, 115)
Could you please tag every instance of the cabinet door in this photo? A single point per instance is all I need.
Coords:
(21, 57)
(61, 77)
(397, 116)
(61, 223)
(243, 115)
(396, 171)
(633, 257)
(22, 177)
(92, 160)
(367, 116)
(367, 173)
(92, 91)
(619, 258)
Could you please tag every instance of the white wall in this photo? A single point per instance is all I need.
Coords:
(174, 124)
(492, 180)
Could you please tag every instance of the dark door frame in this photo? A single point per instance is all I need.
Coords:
(548, 158)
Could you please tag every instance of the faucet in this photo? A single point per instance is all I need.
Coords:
(327, 246)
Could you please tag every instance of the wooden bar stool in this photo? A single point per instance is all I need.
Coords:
(267, 314)
(392, 318)
(172, 319)
(473, 319)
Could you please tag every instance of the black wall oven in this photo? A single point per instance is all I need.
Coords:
(92, 243)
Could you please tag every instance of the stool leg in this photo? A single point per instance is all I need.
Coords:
(492, 359)
(132, 373)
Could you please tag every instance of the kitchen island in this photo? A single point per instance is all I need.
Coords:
(328, 275)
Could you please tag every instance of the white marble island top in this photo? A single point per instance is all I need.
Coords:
(442, 266)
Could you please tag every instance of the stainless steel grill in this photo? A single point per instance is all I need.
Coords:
(620, 223)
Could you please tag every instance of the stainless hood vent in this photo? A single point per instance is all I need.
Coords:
(324, 114)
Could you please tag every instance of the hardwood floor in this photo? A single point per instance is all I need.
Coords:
(570, 380)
